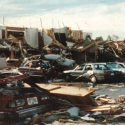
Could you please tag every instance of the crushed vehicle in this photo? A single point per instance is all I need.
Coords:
(93, 72)
(18, 102)
(9, 75)
(21, 102)
(49, 67)
(38, 68)
(35, 67)
(60, 62)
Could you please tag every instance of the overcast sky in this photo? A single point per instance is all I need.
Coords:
(101, 17)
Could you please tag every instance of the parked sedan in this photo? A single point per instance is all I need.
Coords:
(116, 66)
(93, 72)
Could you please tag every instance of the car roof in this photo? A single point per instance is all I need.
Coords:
(52, 56)
(103, 63)
(93, 63)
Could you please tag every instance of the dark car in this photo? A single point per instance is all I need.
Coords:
(116, 66)
(93, 72)
(60, 62)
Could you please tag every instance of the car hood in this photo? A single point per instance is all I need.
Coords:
(68, 71)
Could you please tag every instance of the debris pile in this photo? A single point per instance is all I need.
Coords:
(78, 107)
(33, 87)
(15, 50)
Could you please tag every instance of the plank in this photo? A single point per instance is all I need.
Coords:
(66, 90)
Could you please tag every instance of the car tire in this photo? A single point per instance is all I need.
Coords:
(67, 78)
(93, 79)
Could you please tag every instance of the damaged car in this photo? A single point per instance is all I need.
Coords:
(93, 72)
(50, 66)
(60, 62)
(38, 68)
(116, 66)
(19, 102)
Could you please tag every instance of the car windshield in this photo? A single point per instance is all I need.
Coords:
(79, 67)
(114, 65)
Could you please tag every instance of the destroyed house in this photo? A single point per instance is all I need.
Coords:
(76, 42)
(31, 35)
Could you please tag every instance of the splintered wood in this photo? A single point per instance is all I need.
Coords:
(100, 108)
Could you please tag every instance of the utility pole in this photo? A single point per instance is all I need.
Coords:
(41, 23)
(78, 26)
(3, 20)
(63, 24)
(52, 23)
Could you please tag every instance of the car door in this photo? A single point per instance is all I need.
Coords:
(98, 70)
(88, 70)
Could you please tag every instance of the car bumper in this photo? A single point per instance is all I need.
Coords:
(20, 114)
(123, 75)
(109, 78)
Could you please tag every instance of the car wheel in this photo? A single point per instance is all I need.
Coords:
(93, 79)
(67, 78)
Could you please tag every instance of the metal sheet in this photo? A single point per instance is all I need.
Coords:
(31, 36)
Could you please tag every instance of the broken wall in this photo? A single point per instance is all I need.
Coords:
(31, 36)
(50, 35)
(76, 34)
(46, 39)
(61, 30)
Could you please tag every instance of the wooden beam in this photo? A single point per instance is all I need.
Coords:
(86, 47)
(12, 52)
(15, 28)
